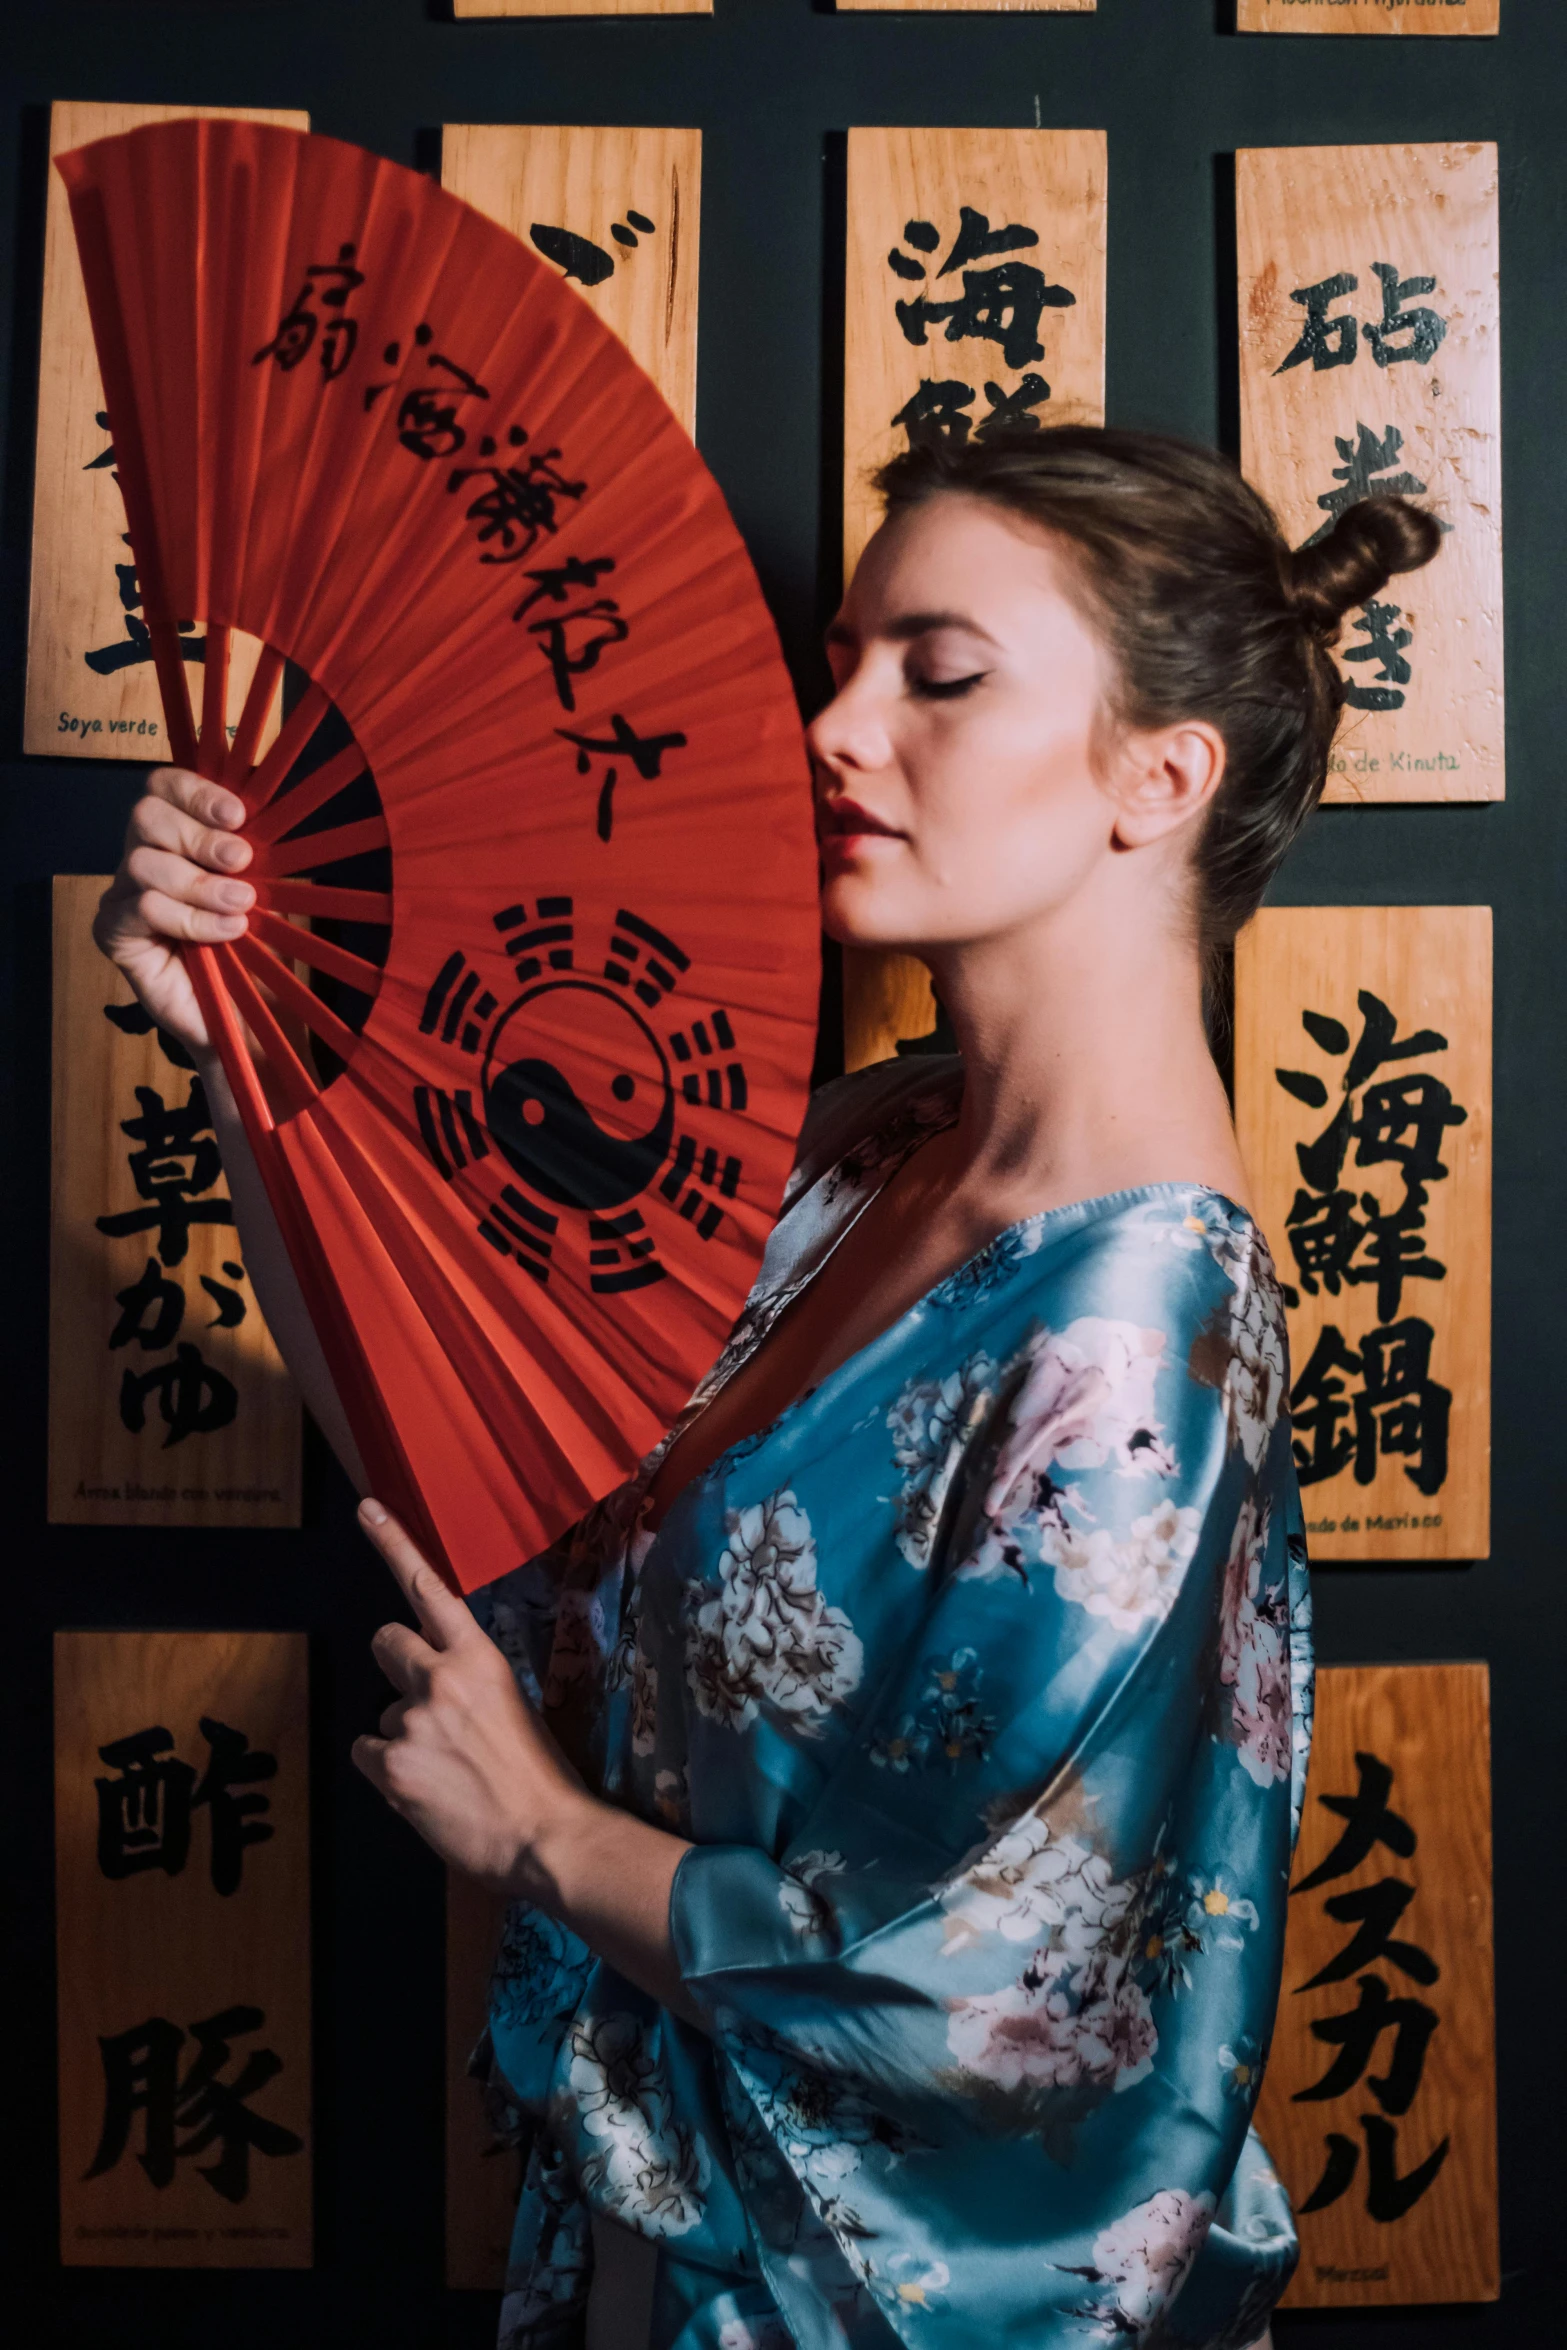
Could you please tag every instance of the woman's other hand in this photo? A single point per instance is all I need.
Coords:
(461, 1755)
(178, 880)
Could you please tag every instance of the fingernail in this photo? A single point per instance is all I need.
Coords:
(372, 1513)
(231, 926)
(229, 811)
(235, 893)
(229, 852)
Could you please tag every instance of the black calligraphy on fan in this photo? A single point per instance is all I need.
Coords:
(1356, 1404)
(1002, 304)
(516, 496)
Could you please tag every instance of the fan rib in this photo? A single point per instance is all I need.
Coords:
(294, 1081)
(213, 747)
(292, 993)
(327, 847)
(318, 897)
(168, 659)
(258, 702)
(223, 1026)
(307, 946)
(292, 736)
(288, 808)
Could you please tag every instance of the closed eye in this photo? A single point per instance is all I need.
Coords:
(946, 689)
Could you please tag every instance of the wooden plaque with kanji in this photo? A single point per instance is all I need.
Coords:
(617, 212)
(91, 692)
(1363, 1107)
(1440, 17)
(168, 1401)
(483, 2172)
(183, 1907)
(461, 8)
(975, 301)
(970, 7)
(1369, 354)
(1379, 2102)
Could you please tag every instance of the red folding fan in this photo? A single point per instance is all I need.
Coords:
(536, 831)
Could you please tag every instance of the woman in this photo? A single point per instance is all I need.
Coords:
(897, 1779)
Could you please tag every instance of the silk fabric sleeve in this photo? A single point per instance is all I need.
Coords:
(1011, 1982)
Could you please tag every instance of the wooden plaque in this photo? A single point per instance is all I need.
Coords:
(182, 1893)
(1363, 1107)
(91, 692)
(975, 298)
(1367, 16)
(1369, 361)
(483, 2174)
(582, 7)
(1379, 2103)
(973, 7)
(168, 1401)
(617, 212)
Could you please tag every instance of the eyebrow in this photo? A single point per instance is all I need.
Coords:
(910, 625)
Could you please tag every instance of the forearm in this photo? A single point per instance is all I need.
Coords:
(272, 1273)
(608, 1877)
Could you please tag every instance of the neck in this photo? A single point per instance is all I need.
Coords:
(1087, 1068)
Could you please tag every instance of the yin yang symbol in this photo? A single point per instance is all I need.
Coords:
(577, 1095)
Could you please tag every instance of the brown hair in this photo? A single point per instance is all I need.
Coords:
(1206, 611)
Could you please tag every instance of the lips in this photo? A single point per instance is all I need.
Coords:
(843, 819)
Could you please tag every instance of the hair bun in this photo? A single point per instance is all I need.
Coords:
(1359, 555)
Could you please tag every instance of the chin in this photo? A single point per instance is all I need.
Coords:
(856, 913)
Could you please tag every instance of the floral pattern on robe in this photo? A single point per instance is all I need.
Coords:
(980, 1683)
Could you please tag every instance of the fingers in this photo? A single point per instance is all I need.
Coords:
(444, 1616)
(161, 916)
(187, 831)
(394, 1719)
(404, 1658)
(209, 803)
(176, 877)
(369, 1755)
(179, 876)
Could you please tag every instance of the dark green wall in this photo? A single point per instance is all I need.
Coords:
(773, 85)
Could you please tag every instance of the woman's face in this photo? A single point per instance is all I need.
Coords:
(956, 786)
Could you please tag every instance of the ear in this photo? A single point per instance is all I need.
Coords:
(1162, 780)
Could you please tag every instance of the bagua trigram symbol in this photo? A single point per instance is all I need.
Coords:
(576, 1088)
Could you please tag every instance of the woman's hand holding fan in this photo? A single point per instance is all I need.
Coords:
(178, 884)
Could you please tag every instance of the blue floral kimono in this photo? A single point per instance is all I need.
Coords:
(981, 1684)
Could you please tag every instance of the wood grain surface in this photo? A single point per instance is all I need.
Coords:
(588, 181)
(1050, 184)
(84, 594)
(103, 1472)
(1425, 658)
(1368, 16)
(1429, 1726)
(483, 2175)
(972, 7)
(462, 8)
(161, 1944)
(1302, 975)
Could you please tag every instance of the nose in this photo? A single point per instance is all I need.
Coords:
(850, 736)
